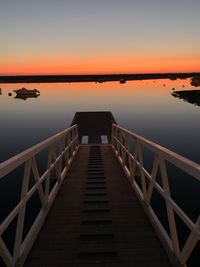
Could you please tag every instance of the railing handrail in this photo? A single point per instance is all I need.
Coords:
(130, 161)
(130, 156)
(15, 161)
(190, 166)
(45, 185)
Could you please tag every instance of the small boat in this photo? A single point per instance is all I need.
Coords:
(24, 91)
(122, 81)
(101, 81)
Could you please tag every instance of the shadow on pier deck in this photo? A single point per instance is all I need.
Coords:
(96, 219)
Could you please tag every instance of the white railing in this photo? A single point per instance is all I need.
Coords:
(133, 165)
(61, 149)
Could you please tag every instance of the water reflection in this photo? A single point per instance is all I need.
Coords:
(25, 97)
(25, 93)
(145, 107)
(195, 81)
(190, 96)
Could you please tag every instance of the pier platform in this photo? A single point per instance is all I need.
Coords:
(94, 127)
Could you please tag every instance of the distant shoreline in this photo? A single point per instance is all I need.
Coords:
(93, 77)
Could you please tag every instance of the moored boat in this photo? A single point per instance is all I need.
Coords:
(122, 81)
(24, 91)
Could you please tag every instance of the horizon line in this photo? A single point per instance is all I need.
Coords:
(105, 74)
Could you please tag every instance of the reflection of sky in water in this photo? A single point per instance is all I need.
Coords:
(146, 107)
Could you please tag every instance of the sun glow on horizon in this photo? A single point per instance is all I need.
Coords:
(89, 37)
(101, 66)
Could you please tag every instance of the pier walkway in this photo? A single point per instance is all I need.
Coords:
(96, 195)
(96, 219)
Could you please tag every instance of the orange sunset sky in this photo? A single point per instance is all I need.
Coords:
(112, 36)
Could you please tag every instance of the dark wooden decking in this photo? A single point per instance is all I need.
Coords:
(96, 220)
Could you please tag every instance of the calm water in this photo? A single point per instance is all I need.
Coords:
(145, 107)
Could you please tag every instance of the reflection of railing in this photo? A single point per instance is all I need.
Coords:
(132, 163)
(61, 149)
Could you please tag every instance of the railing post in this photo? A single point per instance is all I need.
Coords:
(5, 254)
(153, 176)
(118, 142)
(134, 165)
(123, 152)
(190, 244)
(140, 157)
(77, 139)
(72, 139)
(47, 185)
(170, 211)
(37, 178)
(112, 134)
(70, 144)
(62, 154)
(21, 215)
(126, 151)
(68, 148)
(128, 147)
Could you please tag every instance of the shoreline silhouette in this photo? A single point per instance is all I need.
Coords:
(93, 77)
(190, 96)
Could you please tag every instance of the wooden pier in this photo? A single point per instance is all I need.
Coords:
(96, 219)
(95, 201)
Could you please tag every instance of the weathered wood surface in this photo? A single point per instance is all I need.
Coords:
(96, 219)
